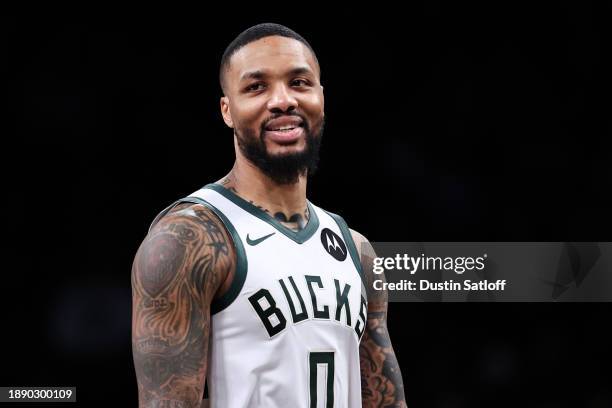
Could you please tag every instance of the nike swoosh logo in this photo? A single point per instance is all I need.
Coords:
(254, 242)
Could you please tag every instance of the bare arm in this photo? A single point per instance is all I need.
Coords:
(177, 271)
(381, 378)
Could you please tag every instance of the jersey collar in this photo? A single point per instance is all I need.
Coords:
(299, 237)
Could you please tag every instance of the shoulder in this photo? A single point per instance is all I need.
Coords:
(364, 247)
(189, 241)
(361, 242)
(357, 236)
(191, 221)
(377, 299)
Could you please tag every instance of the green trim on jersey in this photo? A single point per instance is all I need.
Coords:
(352, 248)
(300, 236)
(228, 297)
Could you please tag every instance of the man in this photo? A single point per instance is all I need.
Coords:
(248, 285)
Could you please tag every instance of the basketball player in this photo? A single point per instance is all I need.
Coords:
(248, 285)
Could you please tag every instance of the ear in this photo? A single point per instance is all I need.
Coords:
(225, 112)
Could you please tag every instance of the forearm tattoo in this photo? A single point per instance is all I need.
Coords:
(175, 274)
(381, 377)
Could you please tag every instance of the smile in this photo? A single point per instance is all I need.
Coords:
(284, 128)
(285, 135)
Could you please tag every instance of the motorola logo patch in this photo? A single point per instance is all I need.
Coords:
(333, 244)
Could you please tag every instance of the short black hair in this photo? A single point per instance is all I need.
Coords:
(255, 33)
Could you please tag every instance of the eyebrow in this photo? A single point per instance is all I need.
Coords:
(260, 74)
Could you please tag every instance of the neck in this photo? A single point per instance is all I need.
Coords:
(285, 202)
(250, 182)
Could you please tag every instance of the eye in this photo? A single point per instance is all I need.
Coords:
(257, 86)
(299, 82)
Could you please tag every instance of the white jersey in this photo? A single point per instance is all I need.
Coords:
(287, 332)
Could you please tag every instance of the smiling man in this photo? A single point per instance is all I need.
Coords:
(248, 285)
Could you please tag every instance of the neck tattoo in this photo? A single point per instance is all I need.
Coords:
(295, 222)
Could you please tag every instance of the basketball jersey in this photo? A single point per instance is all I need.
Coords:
(287, 331)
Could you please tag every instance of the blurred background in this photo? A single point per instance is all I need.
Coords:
(445, 122)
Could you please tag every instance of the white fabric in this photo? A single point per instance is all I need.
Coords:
(248, 368)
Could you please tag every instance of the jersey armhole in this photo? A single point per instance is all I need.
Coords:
(352, 248)
(232, 292)
(162, 213)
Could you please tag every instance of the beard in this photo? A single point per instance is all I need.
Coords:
(282, 168)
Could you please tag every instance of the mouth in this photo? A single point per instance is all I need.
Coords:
(285, 134)
(285, 129)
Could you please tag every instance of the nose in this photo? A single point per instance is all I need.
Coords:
(281, 100)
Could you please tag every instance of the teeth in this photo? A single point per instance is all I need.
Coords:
(285, 128)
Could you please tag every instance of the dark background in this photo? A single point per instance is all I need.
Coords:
(445, 122)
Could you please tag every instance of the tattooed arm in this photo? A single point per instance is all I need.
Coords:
(185, 260)
(381, 378)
